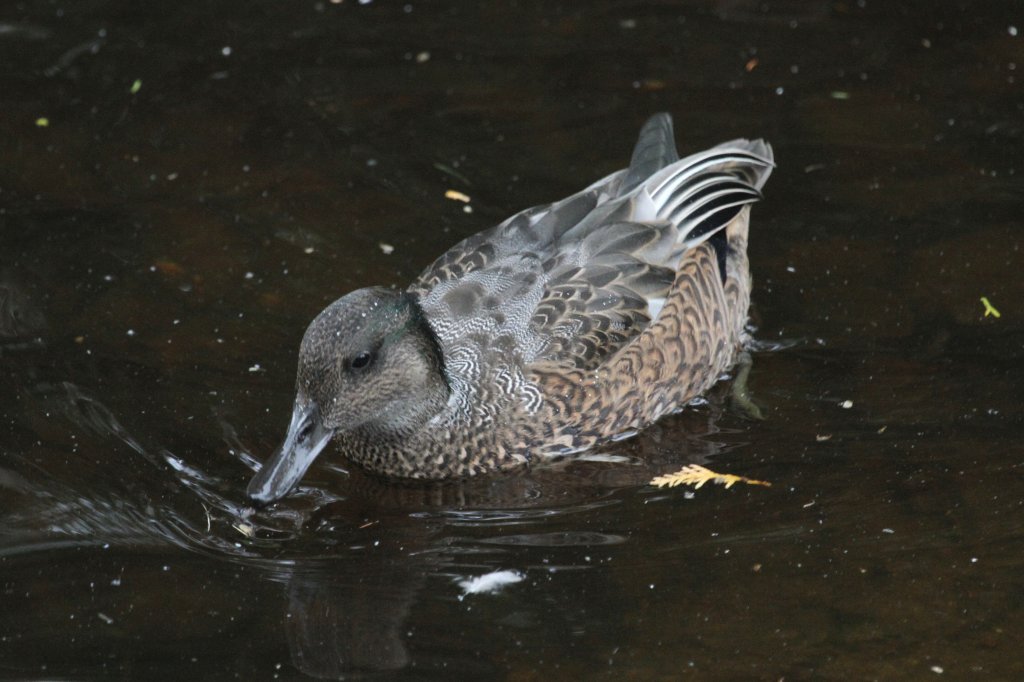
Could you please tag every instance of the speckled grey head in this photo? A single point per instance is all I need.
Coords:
(368, 364)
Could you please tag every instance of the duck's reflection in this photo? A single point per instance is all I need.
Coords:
(354, 562)
(348, 616)
(349, 609)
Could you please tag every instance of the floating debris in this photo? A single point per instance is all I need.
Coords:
(168, 267)
(846, 404)
(136, 86)
(42, 122)
(448, 170)
(989, 308)
(245, 529)
(456, 195)
(488, 582)
(696, 475)
(650, 85)
(751, 65)
(386, 249)
(822, 437)
(839, 94)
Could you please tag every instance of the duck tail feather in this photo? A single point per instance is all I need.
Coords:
(655, 148)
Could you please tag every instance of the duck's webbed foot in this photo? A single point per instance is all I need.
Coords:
(741, 400)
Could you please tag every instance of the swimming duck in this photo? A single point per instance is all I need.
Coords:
(567, 325)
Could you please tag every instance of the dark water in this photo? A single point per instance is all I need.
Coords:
(162, 250)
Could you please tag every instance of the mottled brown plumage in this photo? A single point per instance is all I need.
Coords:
(565, 326)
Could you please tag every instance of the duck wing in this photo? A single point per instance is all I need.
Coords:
(572, 282)
(485, 289)
(613, 271)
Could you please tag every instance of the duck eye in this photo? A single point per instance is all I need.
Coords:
(362, 360)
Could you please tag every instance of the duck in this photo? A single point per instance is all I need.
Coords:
(567, 326)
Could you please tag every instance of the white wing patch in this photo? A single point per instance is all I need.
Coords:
(654, 306)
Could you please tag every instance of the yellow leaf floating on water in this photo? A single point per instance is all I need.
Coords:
(989, 308)
(456, 195)
(696, 475)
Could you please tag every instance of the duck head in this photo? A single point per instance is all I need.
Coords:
(369, 364)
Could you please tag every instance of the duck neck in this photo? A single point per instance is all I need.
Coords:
(399, 431)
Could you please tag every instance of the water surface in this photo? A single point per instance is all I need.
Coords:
(184, 187)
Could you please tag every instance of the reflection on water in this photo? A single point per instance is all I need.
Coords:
(334, 629)
(20, 319)
(209, 177)
(353, 559)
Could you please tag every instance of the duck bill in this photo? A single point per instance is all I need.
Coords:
(282, 472)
